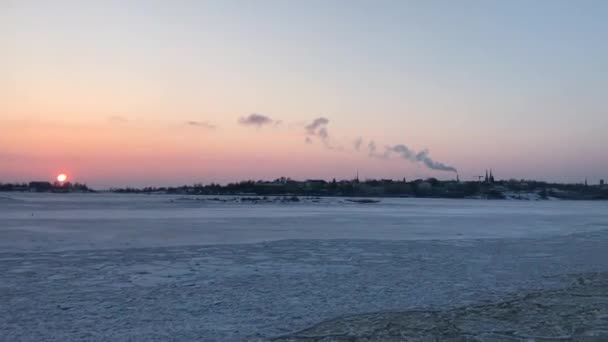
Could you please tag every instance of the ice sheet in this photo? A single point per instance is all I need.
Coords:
(155, 268)
(92, 221)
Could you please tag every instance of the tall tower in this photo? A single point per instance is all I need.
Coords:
(487, 178)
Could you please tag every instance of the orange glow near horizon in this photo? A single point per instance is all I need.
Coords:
(147, 152)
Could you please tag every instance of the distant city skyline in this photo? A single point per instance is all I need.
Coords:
(116, 93)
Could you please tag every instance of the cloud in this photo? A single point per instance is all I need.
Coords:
(322, 133)
(201, 124)
(357, 144)
(371, 148)
(117, 119)
(257, 120)
(316, 126)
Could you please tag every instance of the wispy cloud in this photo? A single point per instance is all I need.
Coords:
(371, 149)
(201, 124)
(117, 119)
(357, 144)
(318, 128)
(257, 120)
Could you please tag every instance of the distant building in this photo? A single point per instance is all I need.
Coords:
(315, 184)
(489, 177)
(20, 188)
(601, 182)
(424, 187)
(40, 186)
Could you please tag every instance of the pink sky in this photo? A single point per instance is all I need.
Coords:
(121, 152)
(103, 91)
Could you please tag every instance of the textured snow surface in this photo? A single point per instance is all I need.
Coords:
(134, 267)
(577, 313)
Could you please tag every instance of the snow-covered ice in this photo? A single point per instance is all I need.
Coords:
(52, 222)
(158, 267)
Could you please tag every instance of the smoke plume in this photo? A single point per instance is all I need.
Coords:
(420, 157)
(318, 128)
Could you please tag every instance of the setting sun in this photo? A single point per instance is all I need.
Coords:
(62, 177)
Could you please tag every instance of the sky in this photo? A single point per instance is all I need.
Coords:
(118, 93)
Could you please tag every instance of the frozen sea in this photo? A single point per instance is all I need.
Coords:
(113, 267)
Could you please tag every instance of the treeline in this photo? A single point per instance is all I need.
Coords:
(13, 186)
(430, 187)
(44, 187)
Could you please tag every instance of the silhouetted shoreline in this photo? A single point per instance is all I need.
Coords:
(288, 188)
